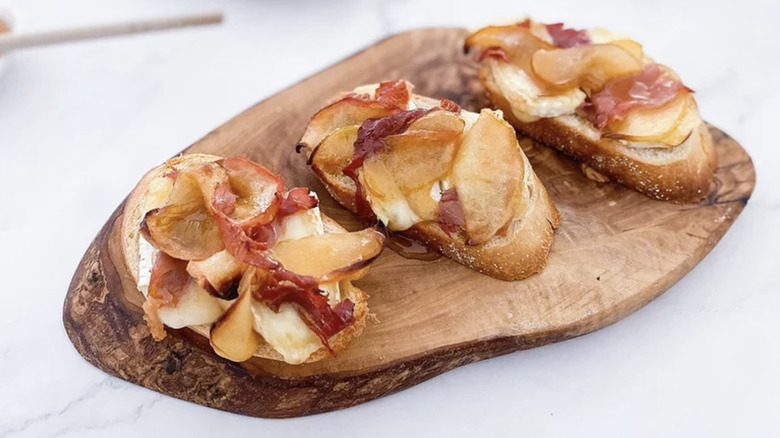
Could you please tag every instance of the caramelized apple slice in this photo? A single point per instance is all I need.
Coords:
(440, 121)
(255, 187)
(335, 151)
(419, 158)
(218, 274)
(233, 336)
(386, 198)
(517, 41)
(589, 66)
(184, 229)
(487, 173)
(670, 124)
(329, 256)
(422, 202)
(345, 112)
(649, 122)
(631, 46)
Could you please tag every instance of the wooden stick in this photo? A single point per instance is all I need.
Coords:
(19, 41)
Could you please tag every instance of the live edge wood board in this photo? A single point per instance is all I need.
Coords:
(615, 251)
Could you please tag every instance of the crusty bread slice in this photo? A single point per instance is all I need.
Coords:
(130, 230)
(681, 173)
(519, 253)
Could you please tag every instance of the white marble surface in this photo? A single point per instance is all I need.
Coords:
(80, 124)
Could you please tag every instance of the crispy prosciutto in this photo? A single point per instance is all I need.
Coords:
(239, 206)
(371, 137)
(373, 134)
(565, 37)
(281, 286)
(393, 92)
(168, 281)
(448, 105)
(451, 217)
(651, 87)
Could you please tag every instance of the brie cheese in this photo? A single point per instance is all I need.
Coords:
(525, 97)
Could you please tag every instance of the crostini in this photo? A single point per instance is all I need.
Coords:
(453, 180)
(220, 246)
(600, 99)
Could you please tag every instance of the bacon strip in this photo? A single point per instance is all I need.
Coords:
(652, 87)
(451, 216)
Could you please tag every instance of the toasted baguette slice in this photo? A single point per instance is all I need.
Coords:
(134, 211)
(520, 252)
(681, 173)
(544, 78)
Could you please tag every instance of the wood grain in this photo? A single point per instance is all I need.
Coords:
(615, 251)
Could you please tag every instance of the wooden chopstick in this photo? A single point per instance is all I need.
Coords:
(13, 41)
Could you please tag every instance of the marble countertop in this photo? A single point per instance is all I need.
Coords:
(79, 124)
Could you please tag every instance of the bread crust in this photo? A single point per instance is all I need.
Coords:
(131, 219)
(518, 254)
(681, 174)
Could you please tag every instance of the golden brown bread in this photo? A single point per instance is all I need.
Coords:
(682, 173)
(130, 230)
(523, 252)
(520, 252)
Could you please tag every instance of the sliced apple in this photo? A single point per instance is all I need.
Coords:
(329, 256)
(442, 121)
(184, 229)
(631, 46)
(487, 173)
(517, 41)
(345, 112)
(422, 203)
(255, 187)
(218, 274)
(588, 66)
(385, 196)
(335, 151)
(233, 336)
(670, 124)
(419, 158)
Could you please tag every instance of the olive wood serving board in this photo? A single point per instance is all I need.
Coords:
(615, 251)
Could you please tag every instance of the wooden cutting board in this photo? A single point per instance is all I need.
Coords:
(615, 251)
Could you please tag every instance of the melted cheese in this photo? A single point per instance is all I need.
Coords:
(302, 224)
(525, 97)
(396, 214)
(196, 307)
(286, 332)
